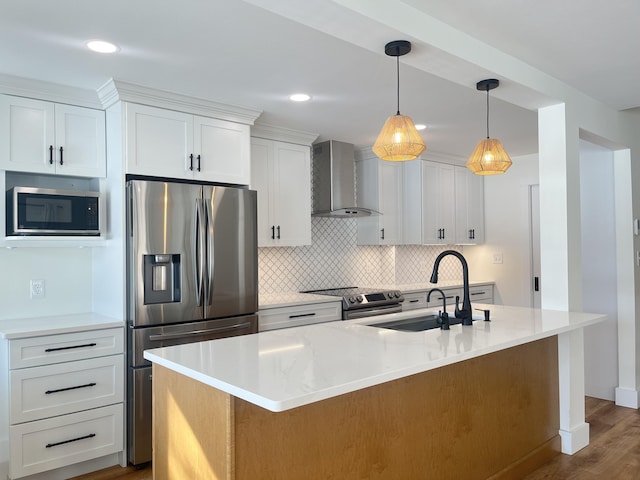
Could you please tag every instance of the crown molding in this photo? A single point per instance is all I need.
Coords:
(120, 91)
(282, 134)
(52, 92)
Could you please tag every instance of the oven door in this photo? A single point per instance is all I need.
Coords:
(371, 312)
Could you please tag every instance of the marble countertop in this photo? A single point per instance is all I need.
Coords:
(53, 325)
(283, 369)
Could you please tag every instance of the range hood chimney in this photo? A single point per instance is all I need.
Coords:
(334, 191)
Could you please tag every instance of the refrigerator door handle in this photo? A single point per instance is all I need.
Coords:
(198, 241)
(210, 248)
(195, 333)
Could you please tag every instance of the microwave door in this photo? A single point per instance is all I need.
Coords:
(165, 277)
(232, 252)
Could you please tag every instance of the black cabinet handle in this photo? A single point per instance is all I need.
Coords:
(536, 284)
(278, 228)
(477, 293)
(49, 445)
(61, 162)
(303, 315)
(47, 350)
(414, 301)
(198, 162)
(273, 232)
(191, 162)
(382, 233)
(50, 154)
(49, 392)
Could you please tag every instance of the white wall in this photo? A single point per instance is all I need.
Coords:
(599, 283)
(506, 200)
(67, 276)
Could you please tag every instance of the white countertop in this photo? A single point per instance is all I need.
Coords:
(283, 369)
(38, 326)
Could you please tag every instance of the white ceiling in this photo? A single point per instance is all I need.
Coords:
(255, 53)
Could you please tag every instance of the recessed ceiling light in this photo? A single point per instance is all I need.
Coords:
(299, 97)
(420, 126)
(102, 46)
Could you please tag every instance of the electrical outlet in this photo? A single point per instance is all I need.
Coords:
(37, 288)
(497, 258)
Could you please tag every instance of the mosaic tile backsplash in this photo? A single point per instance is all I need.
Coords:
(334, 260)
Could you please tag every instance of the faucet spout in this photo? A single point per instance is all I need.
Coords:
(464, 313)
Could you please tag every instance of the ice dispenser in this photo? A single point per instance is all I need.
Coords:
(161, 278)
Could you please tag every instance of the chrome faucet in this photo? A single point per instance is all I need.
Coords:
(464, 313)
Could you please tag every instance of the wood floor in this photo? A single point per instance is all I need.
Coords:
(613, 453)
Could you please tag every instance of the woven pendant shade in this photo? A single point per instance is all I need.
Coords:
(399, 140)
(489, 158)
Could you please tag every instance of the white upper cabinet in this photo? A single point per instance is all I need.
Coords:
(444, 204)
(438, 203)
(379, 187)
(165, 143)
(469, 207)
(280, 173)
(44, 137)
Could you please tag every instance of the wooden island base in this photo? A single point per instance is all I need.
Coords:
(493, 416)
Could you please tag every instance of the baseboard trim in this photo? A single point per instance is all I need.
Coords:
(627, 398)
(575, 439)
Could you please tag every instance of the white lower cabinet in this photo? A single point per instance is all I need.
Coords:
(60, 441)
(65, 396)
(481, 293)
(298, 315)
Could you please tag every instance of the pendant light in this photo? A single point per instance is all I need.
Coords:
(489, 157)
(399, 140)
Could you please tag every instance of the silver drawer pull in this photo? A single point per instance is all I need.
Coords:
(48, 392)
(303, 315)
(49, 445)
(70, 347)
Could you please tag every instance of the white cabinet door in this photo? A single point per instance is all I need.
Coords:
(438, 203)
(469, 207)
(280, 173)
(43, 137)
(27, 135)
(222, 151)
(379, 187)
(80, 141)
(159, 142)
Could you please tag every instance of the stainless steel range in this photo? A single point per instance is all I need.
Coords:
(364, 302)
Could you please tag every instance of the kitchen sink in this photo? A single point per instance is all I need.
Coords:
(415, 324)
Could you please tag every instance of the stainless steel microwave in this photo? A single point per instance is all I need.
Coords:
(44, 211)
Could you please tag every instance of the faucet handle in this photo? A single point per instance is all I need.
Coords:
(443, 320)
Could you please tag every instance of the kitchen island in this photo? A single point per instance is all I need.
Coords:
(348, 400)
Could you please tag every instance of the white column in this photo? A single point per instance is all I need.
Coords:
(561, 271)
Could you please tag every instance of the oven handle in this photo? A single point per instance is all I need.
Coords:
(173, 336)
(373, 312)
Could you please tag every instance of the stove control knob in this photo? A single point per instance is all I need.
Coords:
(397, 295)
(352, 299)
(390, 295)
(359, 298)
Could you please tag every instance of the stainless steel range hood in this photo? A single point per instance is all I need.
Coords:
(334, 191)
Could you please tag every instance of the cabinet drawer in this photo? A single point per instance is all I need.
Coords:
(274, 318)
(450, 296)
(481, 293)
(41, 392)
(60, 441)
(34, 351)
(415, 300)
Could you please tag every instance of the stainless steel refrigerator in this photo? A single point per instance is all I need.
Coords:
(192, 271)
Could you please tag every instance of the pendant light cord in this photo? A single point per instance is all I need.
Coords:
(487, 112)
(398, 78)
